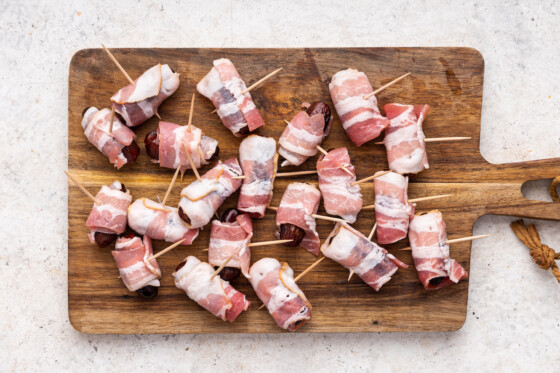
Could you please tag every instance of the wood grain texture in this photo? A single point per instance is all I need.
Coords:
(448, 79)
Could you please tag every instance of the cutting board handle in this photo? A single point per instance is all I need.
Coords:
(519, 205)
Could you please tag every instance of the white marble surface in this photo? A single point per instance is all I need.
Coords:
(513, 305)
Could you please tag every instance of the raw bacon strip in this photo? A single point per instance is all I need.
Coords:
(259, 161)
(392, 210)
(354, 251)
(228, 239)
(300, 138)
(427, 237)
(139, 102)
(215, 295)
(360, 118)
(132, 256)
(275, 286)
(159, 222)
(172, 141)
(339, 197)
(201, 199)
(298, 203)
(224, 87)
(96, 124)
(404, 139)
(110, 216)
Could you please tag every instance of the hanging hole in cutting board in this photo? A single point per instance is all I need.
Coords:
(537, 190)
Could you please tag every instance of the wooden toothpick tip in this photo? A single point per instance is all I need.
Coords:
(413, 200)
(455, 240)
(379, 174)
(295, 173)
(187, 154)
(191, 114)
(259, 82)
(118, 64)
(171, 184)
(221, 267)
(386, 86)
(329, 218)
(167, 249)
(256, 84)
(372, 231)
(112, 119)
(83, 189)
(266, 243)
(308, 269)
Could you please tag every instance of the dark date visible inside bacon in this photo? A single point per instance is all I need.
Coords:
(148, 291)
(131, 152)
(84, 111)
(291, 232)
(123, 188)
(244, 130)
(229, 273)
(229, 215)
(104, 239)
(120, 118)
(436, 280)
(151, 142)
(184, 216)
(181, 265)
(215, 155)
(320, 108)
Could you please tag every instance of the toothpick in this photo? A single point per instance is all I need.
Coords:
(118, 64)
(262, 80)
(329, 218)
(295, 173)
(325, 153)
(386, 86)
(437, 139)
(167, 249)
(112, 118)
(221, 267)
(283, 174)
(379, 174)
(98, 202)
(170, 186)
(372, 207)
(265, 243)
(256, 84)
(307, 270)
(190, 114)
(429, 198)
(192, 163)
(471, 238)
(372, 231)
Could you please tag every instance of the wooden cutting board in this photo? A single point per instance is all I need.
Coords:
(448, 79)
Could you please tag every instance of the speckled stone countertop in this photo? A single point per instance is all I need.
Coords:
(512, 321)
